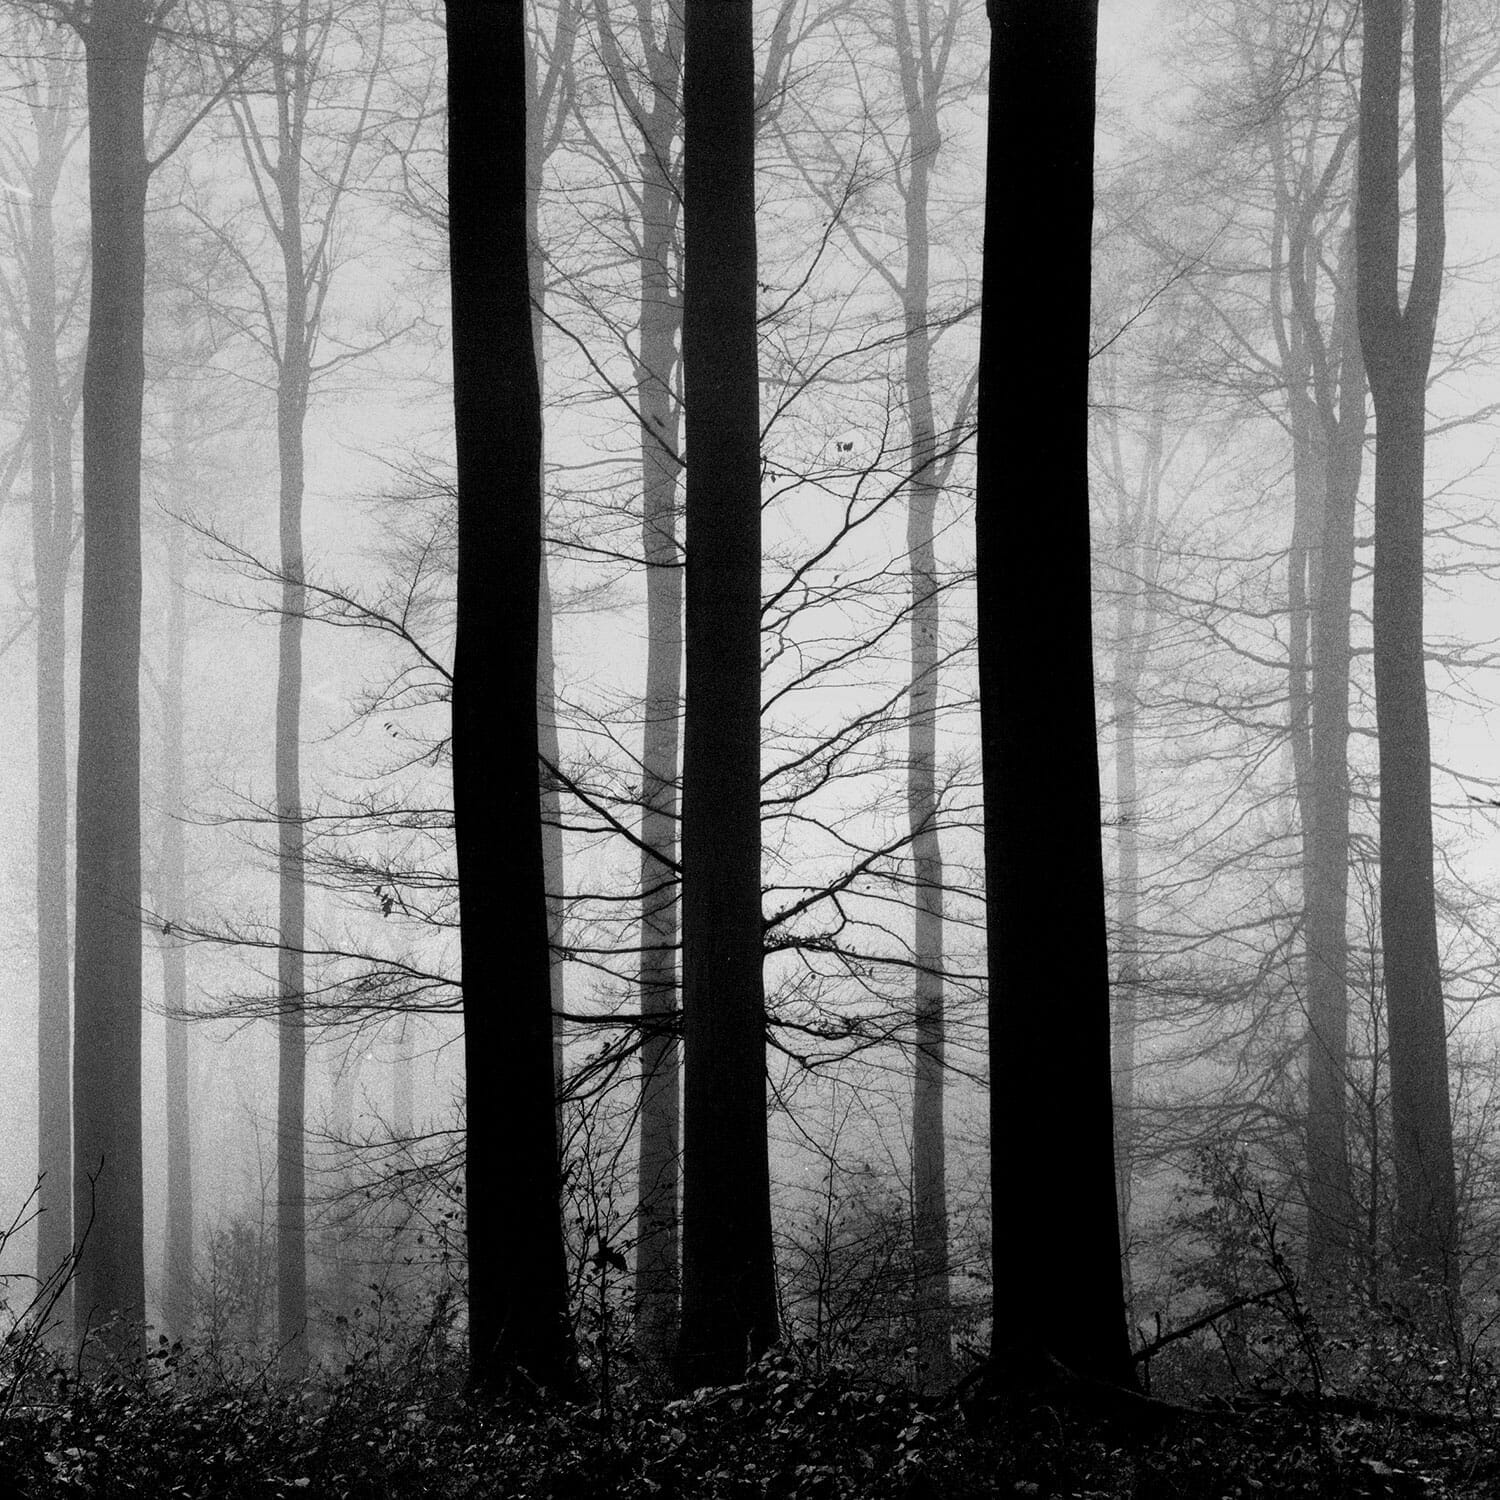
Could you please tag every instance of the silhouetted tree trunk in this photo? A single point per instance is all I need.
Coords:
(178, 1295)
(52, 502)
(517, 1278)
(728, 1284)
(1397, 344)
(117, 38)
(1056, 1247)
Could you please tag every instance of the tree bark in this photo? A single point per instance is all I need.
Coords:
(518, 1322)
(110, 1283)
(1056, 1247)
(728, 1283)
(1397, 345)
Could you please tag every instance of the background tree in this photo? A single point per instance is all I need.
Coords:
(301, 173)
(1135, 547)
(650, 92)
(924, 44)
(177, 1293)
(1249, 220)
(42, 302)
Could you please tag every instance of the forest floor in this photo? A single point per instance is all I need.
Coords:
(784, 1434)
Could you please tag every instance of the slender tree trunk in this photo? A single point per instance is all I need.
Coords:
(1135, 541)
(403, 1078)
(292, 390)
(1397, 345)
(656, 1271)
(178, 1298)
(107, 975)
(546, 672)
(1124, 1020)
(550, 749)
(928, 1147)
(275, 143)
(343, 1071)
(518, 1320)
(728, 1281)
(929, 1157)
(51, 550)
(1327, 1158)
(1056, 1245)
(1317, 365)
(1307, 508)
(1333, 1219)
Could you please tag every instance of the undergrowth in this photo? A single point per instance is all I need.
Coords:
(785, 1433)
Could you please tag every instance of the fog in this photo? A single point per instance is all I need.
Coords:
(299, 545)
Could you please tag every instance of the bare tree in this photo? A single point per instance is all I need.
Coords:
(177, 1298)
(301, 171)
(650, 92)
(41, 303)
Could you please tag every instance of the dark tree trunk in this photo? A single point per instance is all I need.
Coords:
(107, 963)
(1397, 344)
(728, 1282)
(518, 1322)
(1056, 1246)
